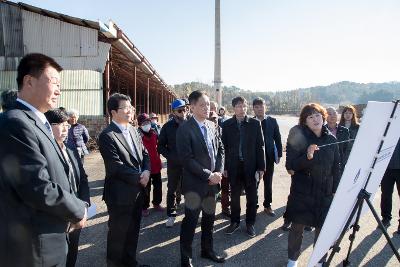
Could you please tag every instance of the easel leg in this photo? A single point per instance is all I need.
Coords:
(383, 229)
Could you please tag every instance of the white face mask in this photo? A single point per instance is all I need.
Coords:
(146, 128)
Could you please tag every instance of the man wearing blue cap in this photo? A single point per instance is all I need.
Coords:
(167, 148)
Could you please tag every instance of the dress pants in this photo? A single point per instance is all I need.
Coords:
(73, 243)
(155, 179)
(250, 185)
(123, 232)
(225, 193)
(193, 205)
(269, 173)
(296, 238)
(174, 174)
(391, 177)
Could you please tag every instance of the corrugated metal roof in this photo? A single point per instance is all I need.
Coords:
(81, 79)
(88, 102)
(12, 30)
(8, 80)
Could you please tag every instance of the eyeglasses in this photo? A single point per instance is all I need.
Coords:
(127, 108)
(181, 110)
(54, 80)
(65, 125)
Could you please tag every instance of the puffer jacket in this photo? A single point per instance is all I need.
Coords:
(314, 181)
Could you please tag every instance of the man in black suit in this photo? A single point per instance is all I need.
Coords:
(37, 203)
(201, 148)
(273, 149)
(245, 162)
(127, 165)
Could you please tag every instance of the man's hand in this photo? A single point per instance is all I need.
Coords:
(291, 172)
(215, 178)
(144, 178)
(79, 224)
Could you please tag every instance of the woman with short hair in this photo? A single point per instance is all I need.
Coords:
(315, 175)
(76, 174)
(78, 135)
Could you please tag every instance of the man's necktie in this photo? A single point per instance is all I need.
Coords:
(47, 124)
(209, 147)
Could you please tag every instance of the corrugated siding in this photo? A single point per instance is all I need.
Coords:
(32, 32)
(89, 41)
(82, 90)
(70, 35)
(9, 63)
(8, 80)
(81, 79)
(51, 34)
(98, 63)
(87, 102)
(2, 51)
(12, 30)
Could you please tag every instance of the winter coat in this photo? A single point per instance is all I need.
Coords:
(167, 143)
(314, 181)
(150, 143)
(78, 136)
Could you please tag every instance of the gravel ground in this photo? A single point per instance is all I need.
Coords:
(159, 246)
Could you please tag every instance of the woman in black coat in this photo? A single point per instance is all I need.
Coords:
(315, 175)
(350, 121)
(76, 174)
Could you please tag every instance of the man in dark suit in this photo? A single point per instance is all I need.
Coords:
(273, 149)
(37, 203)
(127, 165)
(245, 162)
(201, 148)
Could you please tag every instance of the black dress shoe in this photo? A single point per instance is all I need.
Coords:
(212, 256)
(186, 263)
(269, 211)
(232, 228)
(250, 230)
(286, 226)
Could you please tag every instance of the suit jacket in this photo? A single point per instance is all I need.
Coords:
(36, 198)
(272, 136)
(252, 148)
(123, 166)
(80, 175)
(197, 162)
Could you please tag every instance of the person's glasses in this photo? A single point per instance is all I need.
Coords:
(127, 108)
(64, 125)
(181, 110)
(54, 80)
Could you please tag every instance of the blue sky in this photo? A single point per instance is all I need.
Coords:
(267, 45)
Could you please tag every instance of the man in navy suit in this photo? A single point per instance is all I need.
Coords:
(37, 203)
(127, 165)
(201, 147)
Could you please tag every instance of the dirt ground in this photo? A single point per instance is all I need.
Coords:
(159, 246)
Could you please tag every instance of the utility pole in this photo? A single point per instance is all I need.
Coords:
(217, 54)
